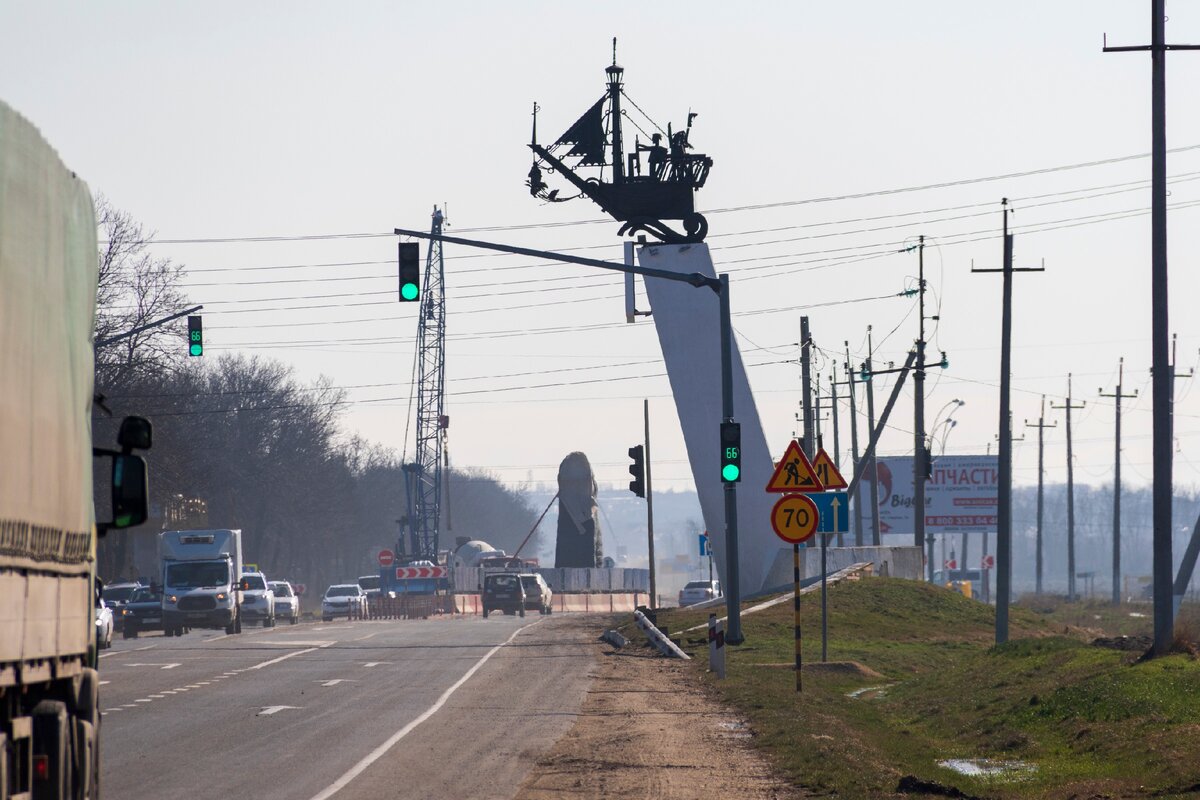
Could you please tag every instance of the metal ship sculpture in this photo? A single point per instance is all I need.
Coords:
(641, 193)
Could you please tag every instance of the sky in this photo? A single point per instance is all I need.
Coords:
(324, 126)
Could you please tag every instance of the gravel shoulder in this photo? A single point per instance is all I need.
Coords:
(648, 730)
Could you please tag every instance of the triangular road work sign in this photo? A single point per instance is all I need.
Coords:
(827, 473)
(794, 473)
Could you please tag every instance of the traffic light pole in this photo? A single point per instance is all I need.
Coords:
(650, 509)
(720, 285)
(135, 331)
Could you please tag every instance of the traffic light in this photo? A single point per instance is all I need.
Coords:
(195, 336)
(410, 271)
(731, 452)
(638, 470)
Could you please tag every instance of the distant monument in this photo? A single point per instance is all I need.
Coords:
(578, 543)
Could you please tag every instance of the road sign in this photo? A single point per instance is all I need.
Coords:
(827, 473)
(794, 473)
(299, 589)
(386, 558)
(406, 573)
(704, 551)
(950, 563)
(834, 510)
(988, 562)
(795, 518)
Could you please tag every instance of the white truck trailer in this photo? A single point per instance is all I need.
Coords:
(49, 687)
(201, 579)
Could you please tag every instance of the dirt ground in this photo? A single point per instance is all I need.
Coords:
(647, 730)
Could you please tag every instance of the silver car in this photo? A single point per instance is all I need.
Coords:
(287, 604)
(343, 600)
(258, 601)
(104, 625)
(699, 591)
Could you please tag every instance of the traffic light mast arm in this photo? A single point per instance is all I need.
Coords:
(694, 278)
(134, 332)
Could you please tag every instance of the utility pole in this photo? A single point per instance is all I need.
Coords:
(1005, 437)
(1164, 614)
(818, 440)
(649, 507)
(920, 455)
(857, 499)
(1070, 493)
(1041, 426)
(872, 462)
(806, 387)
(837, 445)
(1116, 537)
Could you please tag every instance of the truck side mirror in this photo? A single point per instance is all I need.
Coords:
(130, 491)
(135, 434)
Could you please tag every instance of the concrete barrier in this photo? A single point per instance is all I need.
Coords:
(657, 638)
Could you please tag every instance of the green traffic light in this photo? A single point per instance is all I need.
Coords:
(409, 291)
(730, 472)
(197, 349)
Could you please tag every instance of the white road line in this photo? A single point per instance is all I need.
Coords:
(143, 700)
(125, 652)
(375, 663)
(368, 636)
(282, 658)
(382, 749)
(335, 681)
(158, 696)
(110, 710)
(104, 682)
(269, 710)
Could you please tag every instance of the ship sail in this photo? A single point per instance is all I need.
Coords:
(587, 137)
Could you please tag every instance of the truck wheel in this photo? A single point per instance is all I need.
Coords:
(87, 766)
(51, 732)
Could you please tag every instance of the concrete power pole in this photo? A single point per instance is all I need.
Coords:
(857, 499)
(1041, 426)
(806, 387)
(1005, 437)
(650, 509)
(872, 461)
(1116, 537)
(1164, 614)
(1070, 493)
(920, 454)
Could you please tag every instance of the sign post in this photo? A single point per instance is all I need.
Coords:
(795, 519)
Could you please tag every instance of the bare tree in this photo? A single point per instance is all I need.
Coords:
(134, 288)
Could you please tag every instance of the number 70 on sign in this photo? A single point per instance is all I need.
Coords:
(795, 518)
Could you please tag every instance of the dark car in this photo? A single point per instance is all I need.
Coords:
(503, 592)
(142, 612)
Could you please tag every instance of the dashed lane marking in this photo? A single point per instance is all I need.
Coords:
(380, 751)
(127, 652)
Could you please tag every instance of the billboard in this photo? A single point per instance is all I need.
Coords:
(959, 498)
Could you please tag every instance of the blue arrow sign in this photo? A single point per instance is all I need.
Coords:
(833, 509)
(704, 544)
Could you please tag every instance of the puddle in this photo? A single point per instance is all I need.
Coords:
(870, 692)
(988, 768)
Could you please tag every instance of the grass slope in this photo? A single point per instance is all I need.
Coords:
(1093, 722)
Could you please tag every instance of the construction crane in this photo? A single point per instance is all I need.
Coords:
(424, 475)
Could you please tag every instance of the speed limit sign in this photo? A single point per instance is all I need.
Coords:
(794, 518)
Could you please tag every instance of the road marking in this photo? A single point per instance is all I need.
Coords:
(126, 652)
(368, 636)
(143, 700)
(104, 682)
(375, 663)
(164, 666)
(269, 710)
(299, 643)
(284, 657)
(110, 710)
(382, 749)
(335, 681)
(158, 696)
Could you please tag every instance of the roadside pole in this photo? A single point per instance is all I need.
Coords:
(650, 508)
(796, 608)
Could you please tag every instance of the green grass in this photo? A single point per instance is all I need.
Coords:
(1089, 719)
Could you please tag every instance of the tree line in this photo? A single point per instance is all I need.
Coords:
(241, 442)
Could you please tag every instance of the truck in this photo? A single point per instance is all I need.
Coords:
(201, 580)
(49, 684)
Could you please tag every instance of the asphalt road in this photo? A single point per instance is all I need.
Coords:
(454, 708)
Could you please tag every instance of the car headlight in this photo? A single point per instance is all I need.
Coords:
(220, 595)
(124, 611)
(173, 599)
